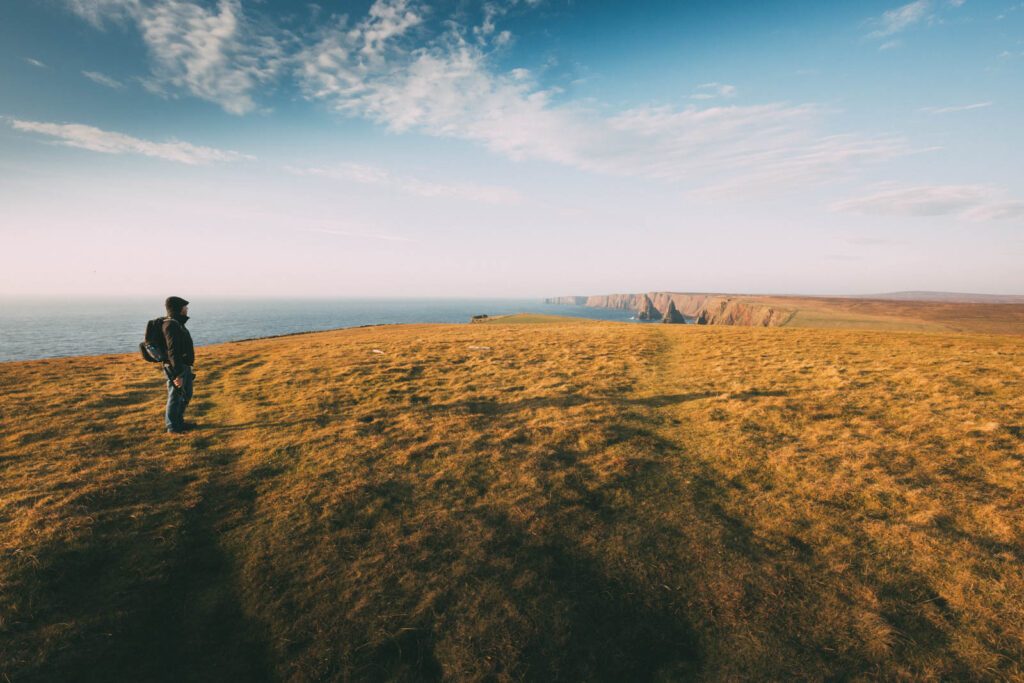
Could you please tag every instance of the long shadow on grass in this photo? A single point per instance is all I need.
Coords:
(562, 604)
(496, 407)
(595, 626)
(144, 597)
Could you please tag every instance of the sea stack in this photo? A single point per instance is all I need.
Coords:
(647, 311)
(672, 314)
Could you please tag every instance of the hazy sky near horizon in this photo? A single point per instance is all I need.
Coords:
(510, 148)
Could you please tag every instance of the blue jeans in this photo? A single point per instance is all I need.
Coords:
(177, 400)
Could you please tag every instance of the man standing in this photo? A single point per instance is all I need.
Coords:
(180, 357)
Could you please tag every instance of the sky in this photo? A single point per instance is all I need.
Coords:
(520, 148)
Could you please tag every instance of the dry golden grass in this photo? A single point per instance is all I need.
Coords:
(919, 316)
(517, 501)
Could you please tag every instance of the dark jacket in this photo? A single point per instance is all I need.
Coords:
(180, 351)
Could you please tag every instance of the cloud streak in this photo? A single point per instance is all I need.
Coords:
(372, 175)
(950, 110)
(103, 79)
(896, 20)
(710, 91)
(905, 16)
(108, 142)
(967, 202)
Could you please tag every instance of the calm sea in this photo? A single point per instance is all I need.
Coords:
(41, 329)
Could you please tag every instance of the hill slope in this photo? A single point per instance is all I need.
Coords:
(1003, 315)
(511, 500)
(949, 297)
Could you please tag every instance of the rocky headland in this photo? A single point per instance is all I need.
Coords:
(704, 309)
(647, 310)
(917, 311)
(672, 315)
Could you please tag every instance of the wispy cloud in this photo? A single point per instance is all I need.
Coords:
(340, 59)
(103, 79)
(214, 53)
(108, 142)
(386, 19)
(905, 16)
(968, 202)
(710, 91)
(896, 20)
(35, 62)
(729, 150)
(392, 68)
(372, 175)
(996, 211)
(493, 10)
(955, 108)
(449, 89)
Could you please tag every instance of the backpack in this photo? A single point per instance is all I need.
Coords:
(154, 345)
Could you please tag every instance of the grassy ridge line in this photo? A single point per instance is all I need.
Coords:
(512, 318)
(893, 315)
(578, 500)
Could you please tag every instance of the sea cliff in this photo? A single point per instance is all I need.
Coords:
(705, 309)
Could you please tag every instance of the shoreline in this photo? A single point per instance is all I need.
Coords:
(134, 352)
(60, 332)
(563, 319)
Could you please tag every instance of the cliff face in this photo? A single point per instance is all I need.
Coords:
(672, 314)
(625, 302)
(647, 310)
(687, 304)
(567, 300)
(708, 309)
(730, 311)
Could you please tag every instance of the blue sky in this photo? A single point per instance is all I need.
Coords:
(510, 148)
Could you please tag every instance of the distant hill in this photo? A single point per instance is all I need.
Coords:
(947, 297)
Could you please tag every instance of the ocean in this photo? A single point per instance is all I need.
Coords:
(32, 329)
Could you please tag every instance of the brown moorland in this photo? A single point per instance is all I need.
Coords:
(896, 314)
(526, 499)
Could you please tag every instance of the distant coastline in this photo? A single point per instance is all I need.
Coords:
(32, 329)
(908, 311)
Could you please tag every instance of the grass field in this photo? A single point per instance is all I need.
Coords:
(921, 316)
(575, 500)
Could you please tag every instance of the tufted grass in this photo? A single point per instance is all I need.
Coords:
(575, 500)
